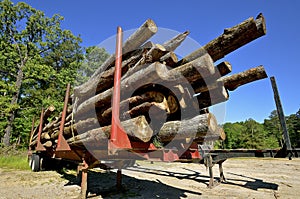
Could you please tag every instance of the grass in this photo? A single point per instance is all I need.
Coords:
(13, 159)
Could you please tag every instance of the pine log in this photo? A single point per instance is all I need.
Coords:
(199, 126)
(47, 144)
(220, 135)
(153, 55)
(173, 43)
(223, 68)
(136, 128)
(170, 59)
(234, 81)
(145, 107)
(46, 115)
(56, 122)
(155, 73)
(105, 80)
(212, 97)
(232, 39)
(142, 34)
(77, 128)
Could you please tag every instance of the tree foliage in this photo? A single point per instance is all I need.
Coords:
(38, 58)
(253, 135)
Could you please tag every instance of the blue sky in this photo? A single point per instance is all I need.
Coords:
(278, 51)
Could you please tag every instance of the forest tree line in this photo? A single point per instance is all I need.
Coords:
(39, 58)
(251, 134)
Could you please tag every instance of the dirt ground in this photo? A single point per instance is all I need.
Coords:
(246, 178)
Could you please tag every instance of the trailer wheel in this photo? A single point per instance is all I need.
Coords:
(30, 160)
(35, 165)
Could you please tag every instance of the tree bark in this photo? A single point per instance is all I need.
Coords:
(234, 81)
(197, 127)
(170, 59)
(14, 101)
(136, 128)
(211, 82)
(153, 55)
(212, 97)
(173, 43)
(220, 135)
(232, 39)
(142, 34)
(155, 73)
(105, 79)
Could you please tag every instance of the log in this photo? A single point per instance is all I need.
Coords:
(170, 59)
(56, 122)
(105, 80)
(46, 115)
(173, 43)
(145, 107)
(48, 112)
(200, 68)
(47, 144)
(142, 34)
(154, 73)
(136, 128)
(199, 126)
(153, 55)
(232, 39)
(224, 68)
(234, 81)
(220, 135)
(212, 97)
(79, 127)
(212, 82)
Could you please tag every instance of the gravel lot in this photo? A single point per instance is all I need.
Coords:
(246, 178)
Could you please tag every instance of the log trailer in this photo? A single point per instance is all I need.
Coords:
(120, 152)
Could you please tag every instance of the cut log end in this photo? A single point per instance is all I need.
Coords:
(261, 24)
(151, 25)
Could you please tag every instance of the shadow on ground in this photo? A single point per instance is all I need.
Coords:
(104, 183)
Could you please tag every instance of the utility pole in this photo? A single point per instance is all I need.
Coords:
(280, 113)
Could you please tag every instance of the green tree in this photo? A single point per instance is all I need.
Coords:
(293, 125)
(37, 59)
(233, 133)
(272, 126)
(256, 137)
(94, 57)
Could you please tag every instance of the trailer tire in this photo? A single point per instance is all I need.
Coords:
(30, 160)
(35, 165)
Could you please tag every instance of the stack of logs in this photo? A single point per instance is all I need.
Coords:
(162, 98)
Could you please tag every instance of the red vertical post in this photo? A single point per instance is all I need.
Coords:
(118, 138)
(62, 144)
(117, 84)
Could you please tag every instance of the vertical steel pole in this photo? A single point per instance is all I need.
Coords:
(62, 145)
(281, 115)
(84, 176)
(117, 83)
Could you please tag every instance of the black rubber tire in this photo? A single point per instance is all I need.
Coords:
(35, 165)
(30, 160)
